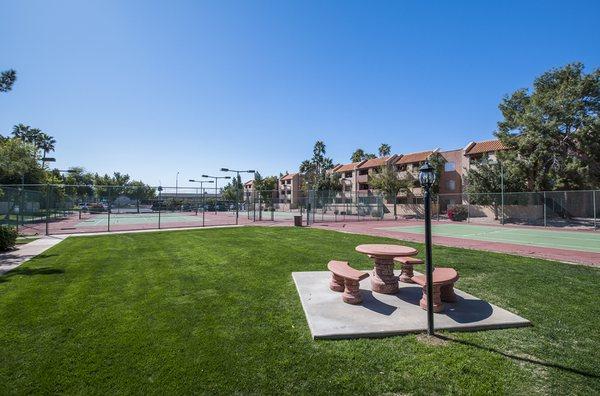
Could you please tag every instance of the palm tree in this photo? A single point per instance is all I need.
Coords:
(7, 79)
(384, 150)
(21, 131)
(45, 143)
(358, 155)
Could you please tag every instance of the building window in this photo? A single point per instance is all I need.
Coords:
(449, 167)
(348, 174)
(401, 168)
(451, 185)
(363, 172)
(363, 186)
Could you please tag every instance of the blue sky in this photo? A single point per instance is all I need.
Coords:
(152, 88)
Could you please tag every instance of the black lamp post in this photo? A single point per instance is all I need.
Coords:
(237, 187)
(427, 178)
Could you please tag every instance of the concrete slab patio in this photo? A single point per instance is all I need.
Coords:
(386, 315)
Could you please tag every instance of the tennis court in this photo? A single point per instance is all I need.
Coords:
(570, 240)
(101, 220)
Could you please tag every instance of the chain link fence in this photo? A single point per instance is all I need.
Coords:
(60, 209)
(576, 209)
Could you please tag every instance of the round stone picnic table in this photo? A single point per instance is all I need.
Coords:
(383, 279)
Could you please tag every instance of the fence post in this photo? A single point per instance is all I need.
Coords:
(468, 209)
(159, 204)
(203, 206)
(47, 209)
(502, 207)
(544, 205)
(109, 207)
(438, 207)
(21, 209)
(594, 205)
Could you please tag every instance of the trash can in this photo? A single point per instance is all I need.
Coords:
(298, 221)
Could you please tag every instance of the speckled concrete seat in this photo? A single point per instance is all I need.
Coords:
(346, 279)
(407, 264)
(443, 287)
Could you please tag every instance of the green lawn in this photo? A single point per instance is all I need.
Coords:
(216, 311)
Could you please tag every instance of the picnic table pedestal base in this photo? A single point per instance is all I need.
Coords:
(407, 273)
(383, 279)
(438, 306)
(351, 293)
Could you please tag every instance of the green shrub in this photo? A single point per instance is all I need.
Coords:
(458, 213)
(8, 237)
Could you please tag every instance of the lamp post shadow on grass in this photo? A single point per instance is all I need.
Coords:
(519, 358)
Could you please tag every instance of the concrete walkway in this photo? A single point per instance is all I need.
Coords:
(11, 260)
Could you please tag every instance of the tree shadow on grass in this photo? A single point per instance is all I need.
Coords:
(25, 271)
(519, 358)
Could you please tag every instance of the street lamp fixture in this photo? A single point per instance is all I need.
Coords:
(216, 186)
(201, 182)
(203, 195)
(237, 187)
(427, 179)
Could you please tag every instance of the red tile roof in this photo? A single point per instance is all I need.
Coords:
(346, 167)
(486, 146)
(289, 176)
(373, 163)
(414, 157)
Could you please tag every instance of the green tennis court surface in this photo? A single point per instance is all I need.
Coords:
(570, 240)
(146, 218)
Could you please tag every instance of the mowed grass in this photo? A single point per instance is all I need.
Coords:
(216, 311)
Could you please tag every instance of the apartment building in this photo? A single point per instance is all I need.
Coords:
(407, 166)
(475, 152)
(249, 190)
(290, 190)
(451, 178)
(355, 176)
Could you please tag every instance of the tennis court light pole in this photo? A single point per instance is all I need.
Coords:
(216, 185)
(426, 179)
(201, 187)
(237, 188)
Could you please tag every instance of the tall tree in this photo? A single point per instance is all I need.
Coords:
(390, 184)
(358, 155)
(265, 187)
(437, 161)
(23, 132)
(553, 132)
(487, 177)
(7, 79)
(140, 191)
(18, 163)
(45, 143)
(385, 150)
(315, 169)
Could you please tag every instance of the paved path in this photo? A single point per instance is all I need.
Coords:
(14, 258)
